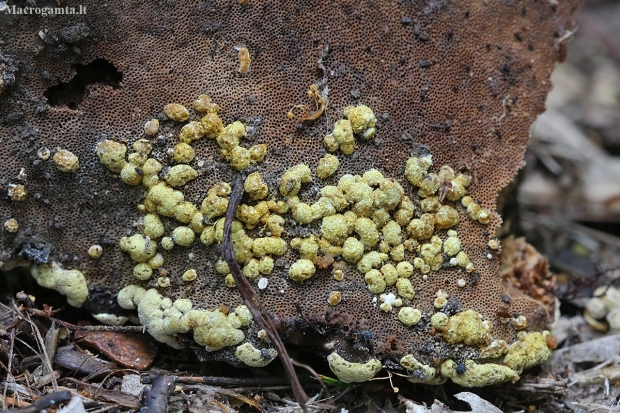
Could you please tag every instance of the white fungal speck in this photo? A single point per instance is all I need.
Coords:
(490, 256)
(262, 283)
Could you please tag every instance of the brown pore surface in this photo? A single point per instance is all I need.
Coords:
(464, 78)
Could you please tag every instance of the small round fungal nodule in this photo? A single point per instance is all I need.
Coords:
(95, 251)
(43, 153)
(11, 225)
(151, 127)
(176, 112)
(334, 298)
(189, 275)
(66, 161)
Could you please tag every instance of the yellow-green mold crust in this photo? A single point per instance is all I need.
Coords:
(393, 241)
(253, 357)
(466, 327)
(349, 372)
(70, 283)
(164, 318)
(420, 372)
(478, 375)
(529, 350)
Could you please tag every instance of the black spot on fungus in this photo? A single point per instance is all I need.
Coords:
(72, 93)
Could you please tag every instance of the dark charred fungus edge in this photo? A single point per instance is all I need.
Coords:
(251, 300)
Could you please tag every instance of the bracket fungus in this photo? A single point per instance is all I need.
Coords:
(373, 222)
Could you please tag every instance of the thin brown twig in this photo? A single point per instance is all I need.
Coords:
(251, 300)
(116, 329)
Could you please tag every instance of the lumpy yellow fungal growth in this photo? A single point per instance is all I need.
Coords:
(352, 250)
(167, 243)
(375, 280)
(250, 269)
(303, 213)
(405, 212)
(334, 229)
(367, 230)
(391, 233)
(179, 175)
(142, 271)
(422, 373)
(466, 327)
(496, 349)
(405, 288)
(477, 375)
(308, 247)
(301, 270)
(151, 168)
(129, 297)
(390, 274)
(253, 357)
(203, 104)
(66, 161)
(422, 228)
(17, 192)
(291, 181)
(176, 112)
(265, 265)
(457, 190)
(183, 153)
(139, 247)
(430, 204)
(398, 253)
(268, 246)
(255, 186)
(409, 316)
(440, 302)
(462, 260)
(275, 225)
(240, 158)
(70, 283)
(371, 260)
(327, 166)
(362, 120)
(230, 136)
(334, 298)
(216, 203)
(349, 372)
(251, 215)
(131, 174)
(112, 154)
(156, 261)
(404, 269)
(429, 185)
(415, 169)
(189, 275)
(452, 245)
(183, 236)
(446, 217)
(211, 125)
(258, 152)
(341, 137)
(529, 350)
(431, 253)
(475, 212)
